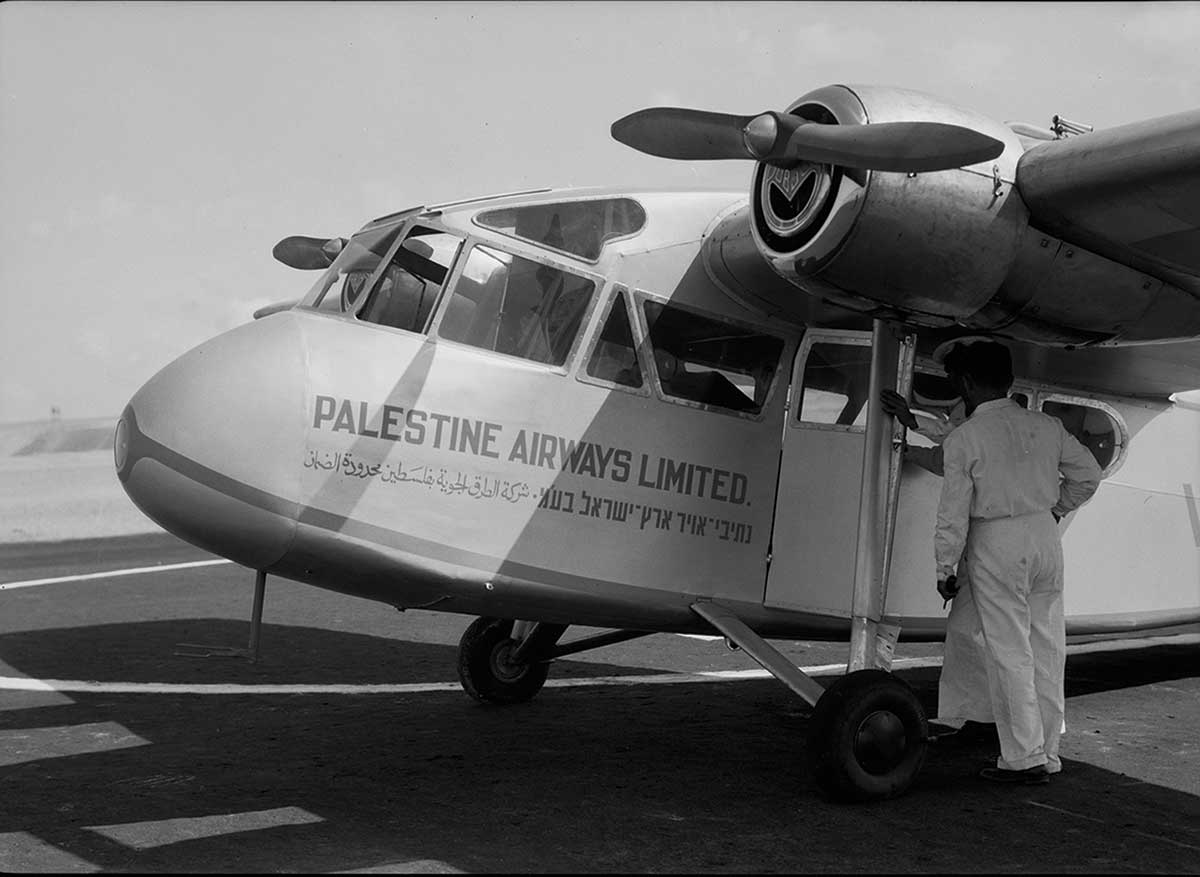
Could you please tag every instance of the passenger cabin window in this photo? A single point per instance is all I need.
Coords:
(514, 305)
(405, 293)
(836, 381)
(580, 228)
(1094, 427)
(701, 359)
(615, 357)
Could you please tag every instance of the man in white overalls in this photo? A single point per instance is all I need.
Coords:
(1009, 475)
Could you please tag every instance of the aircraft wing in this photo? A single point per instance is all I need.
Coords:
(1130, 194)
(1149, 371)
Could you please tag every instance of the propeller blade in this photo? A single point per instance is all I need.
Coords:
(885, 146)
(676, 132)
(778, 138)
(307, 254)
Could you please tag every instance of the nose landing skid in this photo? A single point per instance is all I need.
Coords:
(198, 650)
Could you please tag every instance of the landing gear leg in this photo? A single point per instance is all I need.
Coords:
(867, 737)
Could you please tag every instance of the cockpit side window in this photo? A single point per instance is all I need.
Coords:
(706, 360)
(516, 306)
(404, 295)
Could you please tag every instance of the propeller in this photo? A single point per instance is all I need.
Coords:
(784, 139)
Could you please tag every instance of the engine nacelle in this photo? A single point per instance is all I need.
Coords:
(935, 246)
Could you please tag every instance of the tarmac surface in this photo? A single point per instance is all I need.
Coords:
(350, 747)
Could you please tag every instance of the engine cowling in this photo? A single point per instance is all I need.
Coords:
(933, 246)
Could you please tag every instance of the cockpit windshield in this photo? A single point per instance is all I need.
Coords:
(339, 288)
(386, 281)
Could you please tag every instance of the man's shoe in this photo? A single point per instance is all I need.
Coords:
(1030, 776)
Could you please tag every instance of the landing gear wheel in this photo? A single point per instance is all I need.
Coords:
(485, 669)
(867, 737)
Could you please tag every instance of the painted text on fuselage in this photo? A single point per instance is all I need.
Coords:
(468, 435)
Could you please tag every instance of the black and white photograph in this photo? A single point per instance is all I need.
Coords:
(599, 437)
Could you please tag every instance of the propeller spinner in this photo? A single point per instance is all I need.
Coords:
(783, 139)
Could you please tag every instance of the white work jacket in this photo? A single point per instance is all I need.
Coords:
(1004, 462)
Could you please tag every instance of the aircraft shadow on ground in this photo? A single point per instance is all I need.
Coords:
(151, 651)
(1093, 672)
(684, 777)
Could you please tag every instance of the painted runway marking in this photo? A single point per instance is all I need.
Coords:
(162, 832)
(80, 686)
(21, 745)
(76, 686)
(1123, 828)
(32, 583)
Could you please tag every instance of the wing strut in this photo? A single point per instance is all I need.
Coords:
(768, 657)
(872, 640)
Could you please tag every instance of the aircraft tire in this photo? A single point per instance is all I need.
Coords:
(867, 737)
(485, 673)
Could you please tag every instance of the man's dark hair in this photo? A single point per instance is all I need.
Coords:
(988, 363)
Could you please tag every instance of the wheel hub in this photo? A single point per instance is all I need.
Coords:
(503, 667)
(880, 743)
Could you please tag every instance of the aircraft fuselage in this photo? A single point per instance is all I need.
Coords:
(596, 468)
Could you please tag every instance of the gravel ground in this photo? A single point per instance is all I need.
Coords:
(49, 497)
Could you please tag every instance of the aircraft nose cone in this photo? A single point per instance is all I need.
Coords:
(211, 446)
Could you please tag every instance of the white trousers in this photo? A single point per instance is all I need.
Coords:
(1016, 570)
(963, 694)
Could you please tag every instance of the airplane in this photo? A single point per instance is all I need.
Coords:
(659, 411)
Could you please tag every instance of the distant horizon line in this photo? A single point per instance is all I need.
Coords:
(52, 418)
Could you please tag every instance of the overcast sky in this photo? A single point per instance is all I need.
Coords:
(152, 154)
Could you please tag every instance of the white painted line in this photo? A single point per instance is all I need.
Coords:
(78, 686)
(20, 683)
(32, 583)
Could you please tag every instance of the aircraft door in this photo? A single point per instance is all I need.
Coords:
(815, 538)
